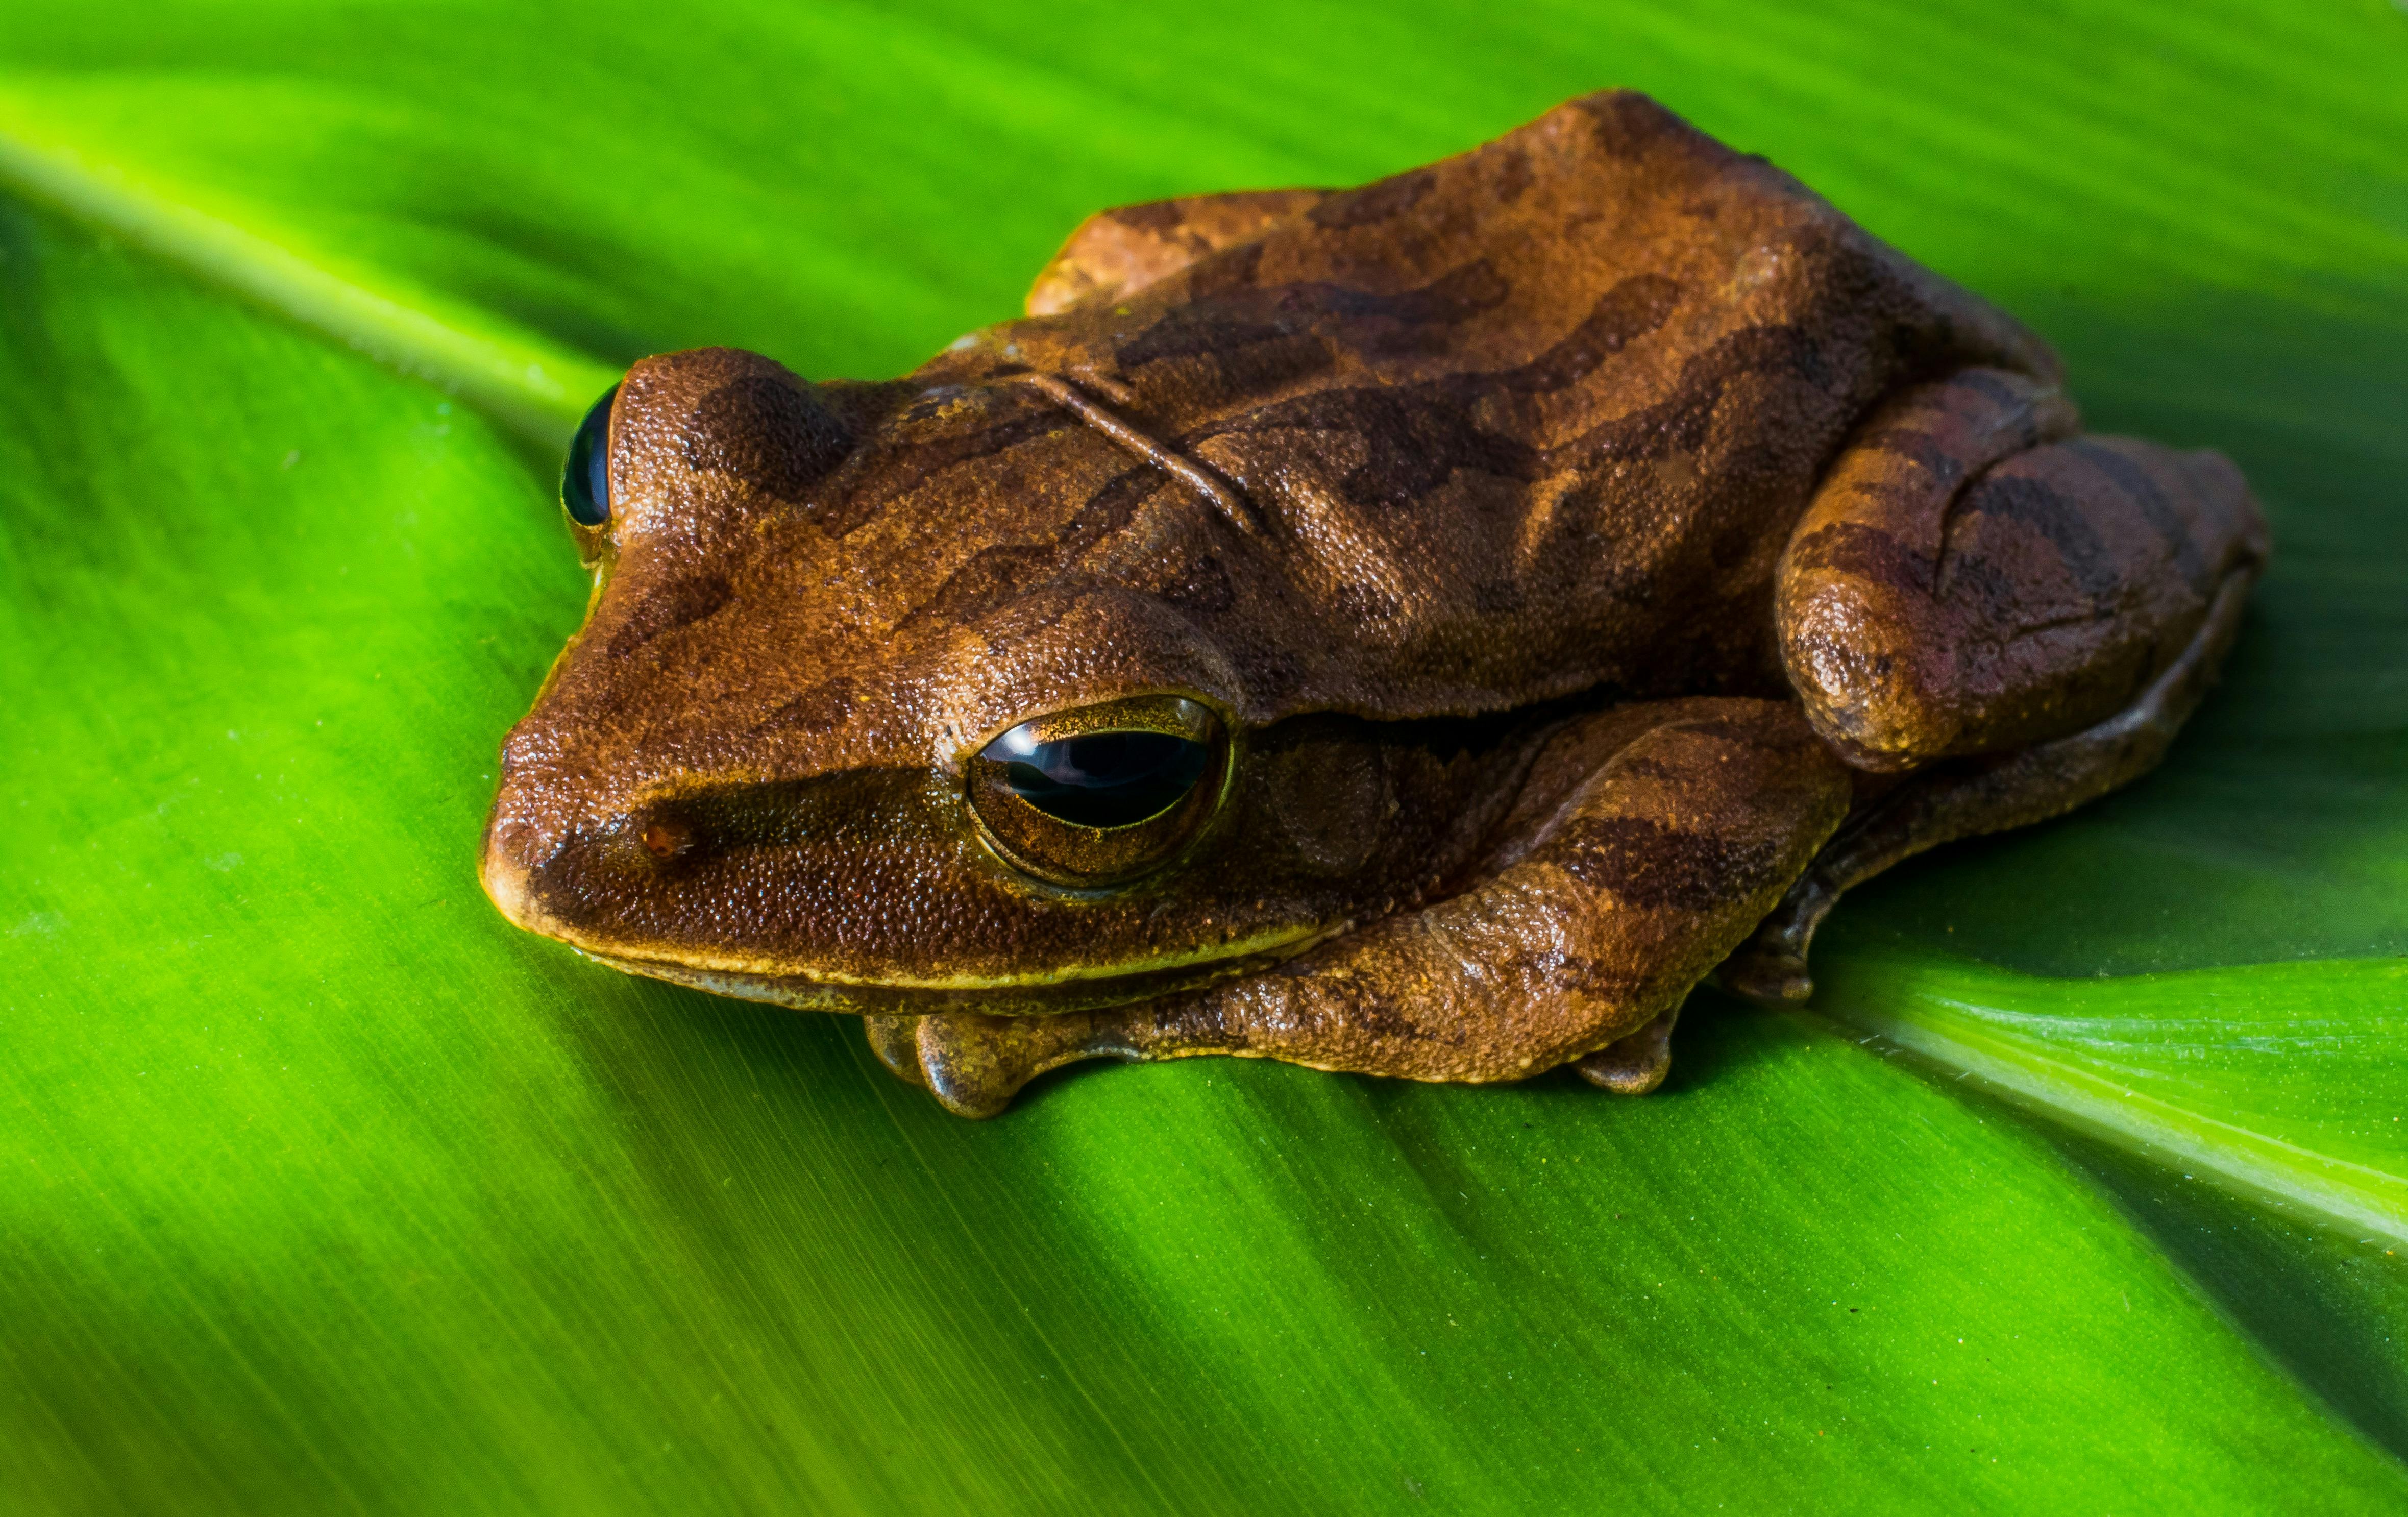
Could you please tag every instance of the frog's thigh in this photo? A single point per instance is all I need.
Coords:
(1972, 578)
(2024, 622)
(1966, 797)
(1117, 253)
(1591, 929)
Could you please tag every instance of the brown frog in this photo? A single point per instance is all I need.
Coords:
(1421, 630)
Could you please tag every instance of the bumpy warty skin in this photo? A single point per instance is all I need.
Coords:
(1524, 431)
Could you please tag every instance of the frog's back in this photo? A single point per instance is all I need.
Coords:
(1528, 421)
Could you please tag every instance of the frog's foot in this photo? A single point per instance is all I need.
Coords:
(1663, 837)
(975, 1063)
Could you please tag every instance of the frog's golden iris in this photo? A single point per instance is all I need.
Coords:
(1102, 794)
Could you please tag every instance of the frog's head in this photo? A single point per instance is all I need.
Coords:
(901, 695)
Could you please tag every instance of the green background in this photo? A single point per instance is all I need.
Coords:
(2083, 1188)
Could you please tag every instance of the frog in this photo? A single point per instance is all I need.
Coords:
(1425, 630)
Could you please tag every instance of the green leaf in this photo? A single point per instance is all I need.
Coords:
(2282, 1082)
(321, 1188)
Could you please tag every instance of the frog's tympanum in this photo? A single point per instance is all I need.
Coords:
(1421, 630)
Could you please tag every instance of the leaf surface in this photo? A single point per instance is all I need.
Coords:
(322, 1189)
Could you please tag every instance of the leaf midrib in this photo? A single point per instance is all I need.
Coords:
(1973, 1021)
(535, 387)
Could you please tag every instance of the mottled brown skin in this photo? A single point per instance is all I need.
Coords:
(1602, 551)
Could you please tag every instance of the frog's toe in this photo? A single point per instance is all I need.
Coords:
(975, 1063)
(896, 1042)
(971, 1062)
(1634, 1063)
(1771, 975)
(1769, 968)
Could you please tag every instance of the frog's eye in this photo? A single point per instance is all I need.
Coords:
(585, 478)
(1104, 793)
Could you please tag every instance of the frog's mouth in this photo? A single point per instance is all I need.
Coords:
(855, 894)
(1077, 991)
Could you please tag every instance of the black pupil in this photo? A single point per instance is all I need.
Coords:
(1103, 779)
(585, 478)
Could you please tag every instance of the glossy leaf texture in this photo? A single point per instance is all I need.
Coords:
(321, 1189)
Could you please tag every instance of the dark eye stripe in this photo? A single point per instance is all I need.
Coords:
(585, 478)
(1101, 778)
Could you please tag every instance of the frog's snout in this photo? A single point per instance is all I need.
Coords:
(506, 879)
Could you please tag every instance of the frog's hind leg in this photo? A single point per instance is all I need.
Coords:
(2016, 623)
(1115, 254)
(1965, 799)
(1579, 943)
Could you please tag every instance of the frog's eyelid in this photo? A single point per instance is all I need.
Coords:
(1181, 713)
(1207, 481)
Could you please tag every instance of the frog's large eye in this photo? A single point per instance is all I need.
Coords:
(585, 478)
(1104, 793)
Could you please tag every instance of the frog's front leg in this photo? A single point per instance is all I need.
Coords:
(1596, 918)
(2015, 617)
